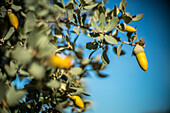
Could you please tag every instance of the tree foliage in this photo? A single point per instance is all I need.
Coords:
(38, 41)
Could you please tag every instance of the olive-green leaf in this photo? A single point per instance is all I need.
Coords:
(127, 19)
(21, 55)
(122, 6)
(115, 49)
(93, 24)
(87, 1)
(30, 22)
(79, 91)
(69, 6)
(61, 9)
(110, 39)
(3, 88)
(112, 24)
(105, 58)
(53, 84)
(11, 69)
(137, 17)
(91, 45)
(9, 33)
(42, 12)
(102, 21)
(115, 11)
(13, 96)
(89, 7)
(37, 71)
(119, 49)
(76, 70)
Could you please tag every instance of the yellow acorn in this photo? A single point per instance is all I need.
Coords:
(129, 28)
(141, 57)
(61, 62)
(13, 19)
(78, 101)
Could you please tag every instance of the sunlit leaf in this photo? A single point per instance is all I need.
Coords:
(110, 39)
(137, 17)
(119, 49)
(122, 6)
(102, 21)
(9, 33)
(89, 7)
(112, 24)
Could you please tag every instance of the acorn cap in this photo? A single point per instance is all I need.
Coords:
(138, 49)
(9, 11)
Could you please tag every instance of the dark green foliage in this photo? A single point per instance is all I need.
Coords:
(50, 27)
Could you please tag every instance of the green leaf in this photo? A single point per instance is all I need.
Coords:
(114, 34)
(43, 12)
(91, 45)
(69, 6)
(110, 39)
(37, 71)
(30, 22)
(127, 19)
(21, 55)
(76, 71)
(96, 15)
(119, 49)
(116, 51)
(115, 11)
(13, 96)
(87, 1)
(11, 69)
(137, 17)
(112, 24)
(102, 21)
(105, 58)
(78, 91)
(3, 91)
(53, 84)
(59, 7)
(9, 34)
(93, 24)
(122, 6)
(89, 7)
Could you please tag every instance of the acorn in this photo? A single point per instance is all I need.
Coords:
(58, 61)
(13, 19)
(129, 28)
(141, 57)
(78, 101)
(125, 27)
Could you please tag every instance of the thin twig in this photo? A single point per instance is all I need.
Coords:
(128, 43)
(64, 21)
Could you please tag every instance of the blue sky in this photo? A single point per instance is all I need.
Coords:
(128, 89)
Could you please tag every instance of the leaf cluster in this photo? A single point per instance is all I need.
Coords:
(52, 27)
